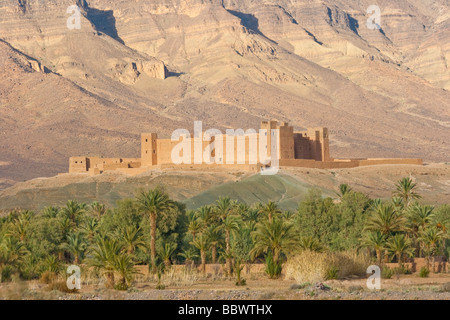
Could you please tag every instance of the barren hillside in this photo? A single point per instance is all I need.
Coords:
(196, 188)
(230, 63)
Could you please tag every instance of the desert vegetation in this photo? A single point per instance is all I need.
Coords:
(324, 239)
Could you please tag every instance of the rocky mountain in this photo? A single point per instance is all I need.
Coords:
(158, 65)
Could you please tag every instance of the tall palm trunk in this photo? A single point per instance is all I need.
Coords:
(275, 256)
(379, 257)
(228, 260)
(153, 240)
(399, 258)
(203, 257)
(167, 264)
(110, 280)
(214, 253)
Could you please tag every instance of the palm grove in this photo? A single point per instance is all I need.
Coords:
(153, 229)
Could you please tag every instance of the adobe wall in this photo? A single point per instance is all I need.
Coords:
(346, 164)
(244, 150)
(369, 162)
(416, 264)
(307, 163)
(78, 165)
(312, 144)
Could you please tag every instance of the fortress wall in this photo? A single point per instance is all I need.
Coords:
(241, 167)
(115, 166)
(305, 163)
(133, 171)
(369, 162)
(78, 165)
(286, 142)
(243, 149)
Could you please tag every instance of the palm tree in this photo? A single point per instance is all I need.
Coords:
(215, 238)
(377, 241)
(419, 218)
(206, 214)
(50, 212)
(223, 208)
(90, 228)
(76, 245)
(98, 209)
(398, 203)
(343, 190)
(385, 219)
(430, 239)
(288, 215)
(104, 256)
(19, 229)
(12, 253)
(166, 252)
(66, 225)
(309, 243)
(229, 225)
(271, 209)
(196, 226)
(189, 256)
(274, 238)
(399, 246)
(405, 189)
(132, 238)
(124, 266)
(73, 210)
(153, 203)
(51, 264)
(202, 243)
(251, 217)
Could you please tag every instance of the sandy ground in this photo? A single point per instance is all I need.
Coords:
(405, 287)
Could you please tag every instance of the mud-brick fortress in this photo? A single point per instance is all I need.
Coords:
(309, 149)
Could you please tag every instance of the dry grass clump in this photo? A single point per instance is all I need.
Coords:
(310, 266)
(180, 278)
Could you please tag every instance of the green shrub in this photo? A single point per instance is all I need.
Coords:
(122, 286)
(332, 273)
(402, 270)
(242, 282)
(273, 269)
(387, 273)
(424, 272)
(6, 274)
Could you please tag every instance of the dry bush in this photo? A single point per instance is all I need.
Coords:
(48, 277)
(61, 286)
(180, 278)
(310, 266)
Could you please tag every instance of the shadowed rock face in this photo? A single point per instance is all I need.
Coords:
(382, 93)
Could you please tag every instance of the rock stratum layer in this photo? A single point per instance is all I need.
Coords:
(158, 65)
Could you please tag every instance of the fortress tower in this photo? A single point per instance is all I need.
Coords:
(149, 149)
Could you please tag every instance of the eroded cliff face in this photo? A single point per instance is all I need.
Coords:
(231, 63)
